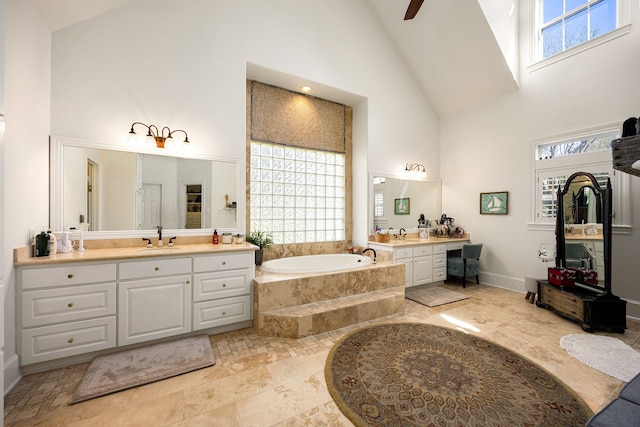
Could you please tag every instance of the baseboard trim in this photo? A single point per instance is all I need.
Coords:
(11, 373)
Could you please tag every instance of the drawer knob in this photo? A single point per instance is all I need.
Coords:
(70, 276)
(157, 268)
(188, 282)
(70, 340)
(224, 285)
(224, 262)
(224, 313)
(70, 305)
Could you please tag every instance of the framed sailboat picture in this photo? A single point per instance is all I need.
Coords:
(496, 203)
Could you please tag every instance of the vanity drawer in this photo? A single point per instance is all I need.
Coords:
(455, 246)
(422, 250)
(439, 261)
(34, 278)
(154, 268)
(221, 312)
(402, 253)
(215, 285)
(439, 274)
(226, 261)
(439, 249)
(68, 339)
(68, 304)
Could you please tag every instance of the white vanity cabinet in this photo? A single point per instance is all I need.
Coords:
(424, 263)
(222, 289)
(79, 308)
(154, 299)
(66, 310)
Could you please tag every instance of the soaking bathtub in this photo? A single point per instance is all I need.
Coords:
(315, 263)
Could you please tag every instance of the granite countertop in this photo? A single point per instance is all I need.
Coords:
(393, 243)
(22, 255)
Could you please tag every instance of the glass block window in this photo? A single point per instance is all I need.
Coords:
(297, 194)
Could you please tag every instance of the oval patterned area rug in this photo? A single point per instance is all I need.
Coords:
(422, 375)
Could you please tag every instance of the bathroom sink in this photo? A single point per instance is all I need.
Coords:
(160, 249)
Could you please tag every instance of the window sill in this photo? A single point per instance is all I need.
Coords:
(619, 32)
(617, 229)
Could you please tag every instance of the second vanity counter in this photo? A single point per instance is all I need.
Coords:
(425, 259)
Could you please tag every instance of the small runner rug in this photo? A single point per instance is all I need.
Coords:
(414, 374)
(608, 355)
(131, 368)
(433, 296)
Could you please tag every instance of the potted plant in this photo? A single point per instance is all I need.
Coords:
(262, 240)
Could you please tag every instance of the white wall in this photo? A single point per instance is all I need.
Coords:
(489, 148)
(26, 171)
(183, 65)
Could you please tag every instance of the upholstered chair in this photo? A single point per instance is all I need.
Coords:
(467, 265)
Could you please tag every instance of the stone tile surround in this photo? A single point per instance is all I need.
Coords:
(295, 306)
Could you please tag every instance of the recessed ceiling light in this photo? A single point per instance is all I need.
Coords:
(305, 89)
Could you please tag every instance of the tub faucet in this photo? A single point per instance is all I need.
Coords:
(402, 236)
(374, 253)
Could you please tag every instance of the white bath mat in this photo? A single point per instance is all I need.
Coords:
(609, 355)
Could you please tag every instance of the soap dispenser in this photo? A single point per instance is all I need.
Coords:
(215, 237)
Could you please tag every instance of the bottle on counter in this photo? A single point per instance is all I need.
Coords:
(42, 244)
(53, 243)
(215, 237)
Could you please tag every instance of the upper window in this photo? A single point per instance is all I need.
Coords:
(565, 24)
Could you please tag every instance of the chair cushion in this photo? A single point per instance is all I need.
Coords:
(455, 266)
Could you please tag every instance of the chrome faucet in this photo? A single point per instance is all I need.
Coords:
(402, 236)
(159, 235)
(374, 253)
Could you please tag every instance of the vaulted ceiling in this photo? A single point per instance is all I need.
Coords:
(449, 46)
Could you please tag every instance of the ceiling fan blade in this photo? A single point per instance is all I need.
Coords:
(413, 9)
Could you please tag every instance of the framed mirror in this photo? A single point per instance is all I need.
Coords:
(112, 191)
(398, 203)
(583, 227)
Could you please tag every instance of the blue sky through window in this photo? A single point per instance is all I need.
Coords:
(569, 23)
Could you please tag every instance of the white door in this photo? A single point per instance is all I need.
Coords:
(151, 206)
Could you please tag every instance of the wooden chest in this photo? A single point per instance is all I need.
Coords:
(564, 303)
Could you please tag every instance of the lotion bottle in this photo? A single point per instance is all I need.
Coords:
(53, 243)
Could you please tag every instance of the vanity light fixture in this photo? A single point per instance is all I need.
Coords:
(415, 171)
(160, 137)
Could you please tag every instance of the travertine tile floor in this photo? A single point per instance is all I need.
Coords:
(261, 381)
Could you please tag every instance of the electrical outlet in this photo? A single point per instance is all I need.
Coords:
(81, 219)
